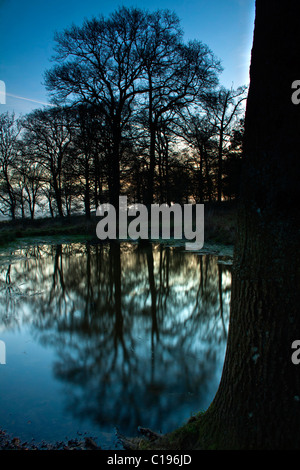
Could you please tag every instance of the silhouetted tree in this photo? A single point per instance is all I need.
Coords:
(89, 147)
(9, 150)
(98, 63)
(199, 133)
(51, 133)
(223, 107)
(132, 57)
(177, 75)
(31, 178)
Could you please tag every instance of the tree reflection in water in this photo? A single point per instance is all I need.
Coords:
(138, 332)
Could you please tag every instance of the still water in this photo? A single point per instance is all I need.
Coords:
(108, 336)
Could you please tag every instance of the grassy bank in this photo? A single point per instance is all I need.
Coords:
(26, 228)
(220, 226)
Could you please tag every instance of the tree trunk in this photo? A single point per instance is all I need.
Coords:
(57, 189)
(200, 182)
(152, 121)
(152, 163)
(97, 181)
(220, 163)
(87, 199)
(207, 175)
(115, 186)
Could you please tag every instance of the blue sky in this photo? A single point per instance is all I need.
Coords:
(27, 29)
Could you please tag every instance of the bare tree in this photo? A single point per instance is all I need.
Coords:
(133, 58)
(31, 179)
(197, 131)
(50, 133)
(177, 75)
(98, 63)
(223, 107)
(9, 147)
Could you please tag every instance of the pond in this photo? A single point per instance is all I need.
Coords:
(100, 337)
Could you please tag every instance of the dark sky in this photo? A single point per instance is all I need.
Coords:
(27, 29)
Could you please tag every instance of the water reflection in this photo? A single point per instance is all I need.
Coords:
(133, 335)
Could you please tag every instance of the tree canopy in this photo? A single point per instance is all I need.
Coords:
(131, 99)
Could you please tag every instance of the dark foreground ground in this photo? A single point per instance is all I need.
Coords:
(8, 442)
